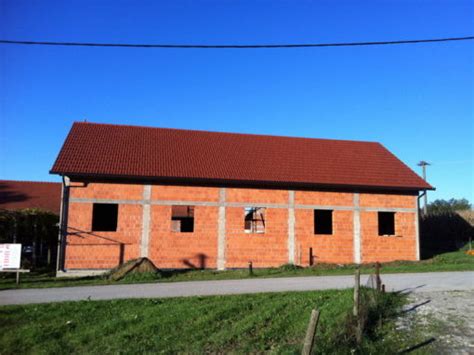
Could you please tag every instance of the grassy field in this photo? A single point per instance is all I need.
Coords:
(455, 261)
(243, 323)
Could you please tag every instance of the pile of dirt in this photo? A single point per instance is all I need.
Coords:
(140, 265)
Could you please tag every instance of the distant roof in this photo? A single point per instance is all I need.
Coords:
(15, 195)
(162, 154)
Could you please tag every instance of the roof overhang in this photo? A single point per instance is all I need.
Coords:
(235, 183)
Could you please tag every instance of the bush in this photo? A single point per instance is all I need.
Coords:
(289, 267)
(375, 309)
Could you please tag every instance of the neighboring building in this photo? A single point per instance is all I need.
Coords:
(17, 195)
(36, 230)
(219, 200)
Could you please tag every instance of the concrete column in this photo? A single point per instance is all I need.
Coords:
(417, 228)
(357, 236)
(221, 235)
(145, 221)
(291, 227)
(63, 224)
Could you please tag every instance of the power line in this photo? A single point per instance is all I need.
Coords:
(237, 46)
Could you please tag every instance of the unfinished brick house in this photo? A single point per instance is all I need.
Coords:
(219, 200)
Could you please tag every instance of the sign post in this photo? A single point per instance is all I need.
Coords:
(10, 259)
(10, 256)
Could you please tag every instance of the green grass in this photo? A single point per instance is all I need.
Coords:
(258, 323)
(454, 261)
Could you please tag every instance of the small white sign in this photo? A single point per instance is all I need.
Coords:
(10, 256)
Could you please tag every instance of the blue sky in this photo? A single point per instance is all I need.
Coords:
(415, 99)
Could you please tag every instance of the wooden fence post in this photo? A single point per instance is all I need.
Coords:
(356, 309)
(356, 293)
(377, 276)
(121, 253)
(310, 333)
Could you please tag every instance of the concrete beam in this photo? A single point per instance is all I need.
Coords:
(388, 209)
(63, 225)
(106, 200)
(356, 226)
(243, 205)
(221, 234)
(145, 239)
(291, 227)
(417, 229)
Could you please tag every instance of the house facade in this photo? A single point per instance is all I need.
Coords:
(191, 199)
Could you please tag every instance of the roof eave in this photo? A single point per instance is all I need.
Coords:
(243, 183)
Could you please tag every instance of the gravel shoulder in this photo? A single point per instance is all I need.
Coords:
(446, 318)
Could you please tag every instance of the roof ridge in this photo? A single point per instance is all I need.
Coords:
(221, 132)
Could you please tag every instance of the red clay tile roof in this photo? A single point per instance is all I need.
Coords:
(15, 195)
(117, 151)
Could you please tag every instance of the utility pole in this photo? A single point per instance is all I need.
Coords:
(423, 165)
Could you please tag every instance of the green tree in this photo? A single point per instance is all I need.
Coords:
(31, 227)
(448, 206)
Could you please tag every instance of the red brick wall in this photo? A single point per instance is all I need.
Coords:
(402, 246)
(185, 193)
(167, 249)
(101, 250)
(324, 198)
(256, 196)
(263, 249)
(335, 248)
(108, 191)
(387, 200)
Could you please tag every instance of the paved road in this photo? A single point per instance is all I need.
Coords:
(421, 282)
